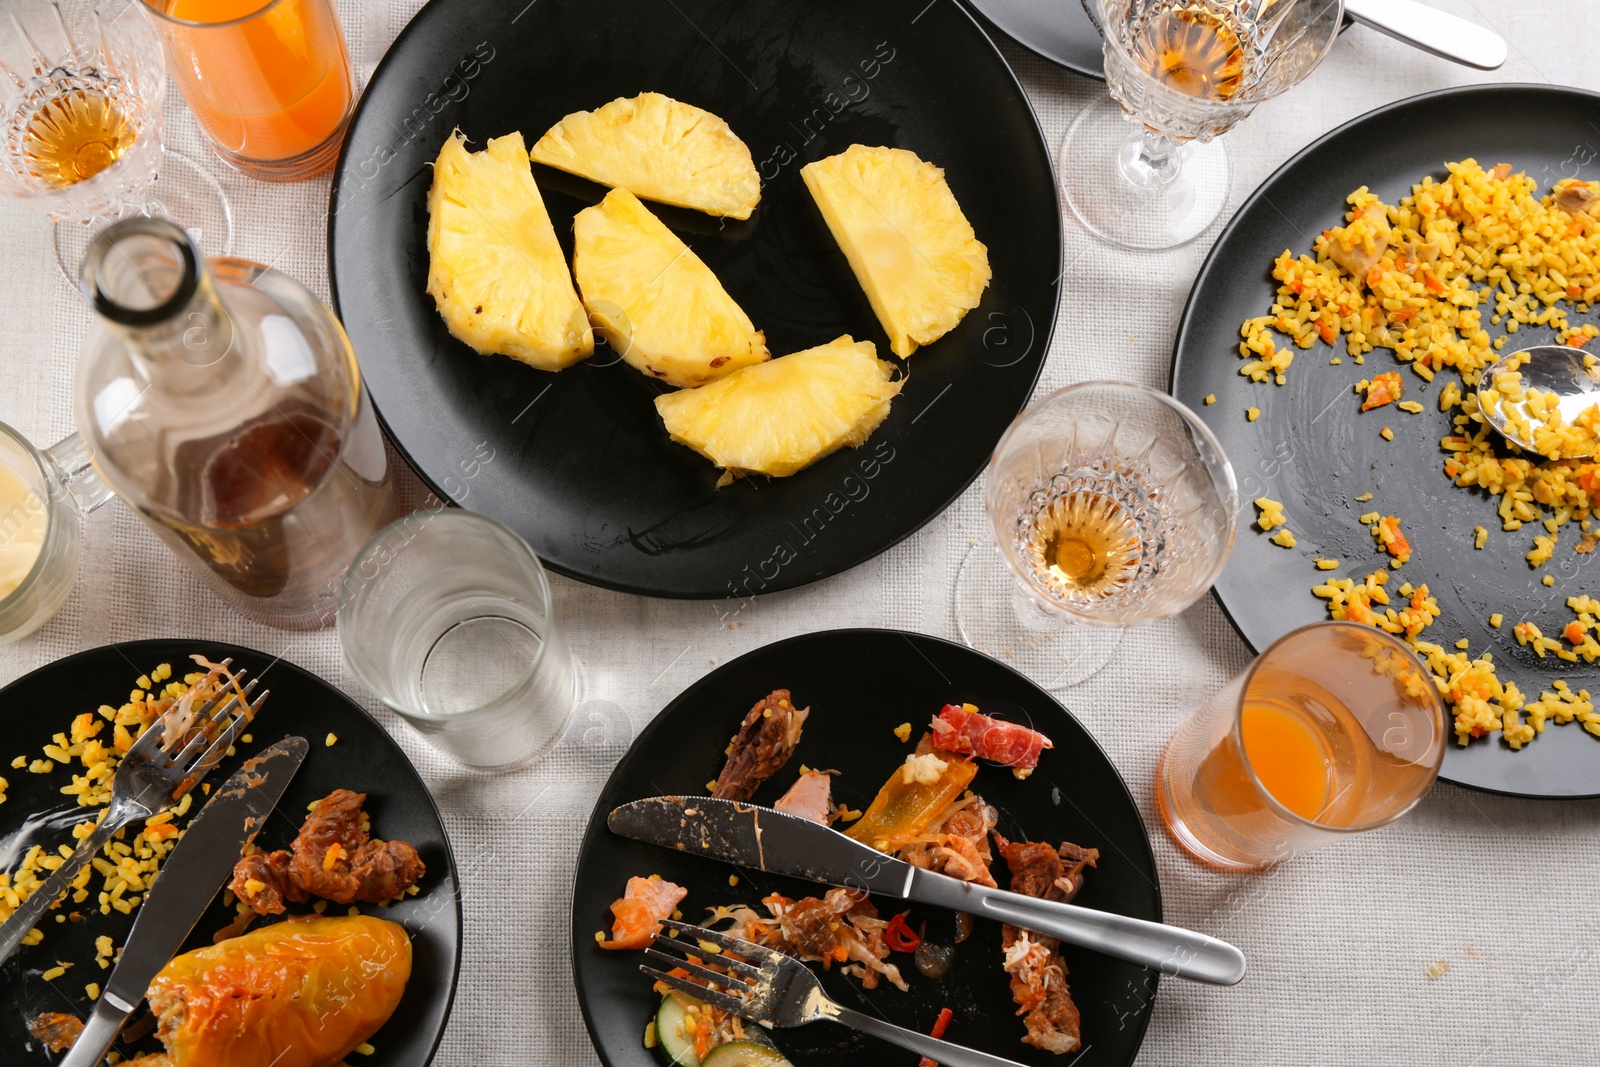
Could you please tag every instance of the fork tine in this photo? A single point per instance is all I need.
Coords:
(733, 1005)
(210, 713)
(733, 965)
(223, 741)
(721, 939)
(218, 748)
(198, 740)
(193, 772)
(732, 982)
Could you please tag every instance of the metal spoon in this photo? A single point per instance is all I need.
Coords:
(1556, 369)
(1431, 30)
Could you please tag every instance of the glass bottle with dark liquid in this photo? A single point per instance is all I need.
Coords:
(221, 400)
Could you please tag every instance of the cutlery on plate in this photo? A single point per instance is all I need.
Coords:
(780, 991)
(188, 880)
(768, 840)
(1558, 369)
(148, 780)
(1433, 31)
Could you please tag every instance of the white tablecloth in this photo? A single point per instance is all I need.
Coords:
(1340, 941)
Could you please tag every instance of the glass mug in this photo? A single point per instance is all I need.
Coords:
(1335, 729)
(43, 496)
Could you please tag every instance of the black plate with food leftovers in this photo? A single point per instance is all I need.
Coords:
(349, 751)
(1314, 450)
(860, 687)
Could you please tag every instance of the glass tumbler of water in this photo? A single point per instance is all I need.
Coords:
(1335, 729)
(446, 616)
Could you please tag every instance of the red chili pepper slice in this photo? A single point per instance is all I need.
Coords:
(900, 937)
(939, 1025)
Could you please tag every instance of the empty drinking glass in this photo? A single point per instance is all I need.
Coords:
(1142, 170)
(446, 616)
(1112, 505)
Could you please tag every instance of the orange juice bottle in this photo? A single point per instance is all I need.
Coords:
(269, 80)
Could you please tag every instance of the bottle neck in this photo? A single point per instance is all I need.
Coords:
(149, 284)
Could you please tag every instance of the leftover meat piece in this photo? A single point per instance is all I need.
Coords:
(640, 909)
(962, 728)
(764, 743)
(811, 797)
(332, 858)
(1038, 974)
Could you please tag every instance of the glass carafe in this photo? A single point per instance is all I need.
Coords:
(221, 401)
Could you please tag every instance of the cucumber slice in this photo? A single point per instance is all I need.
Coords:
(670, 1037)
(744, 1054)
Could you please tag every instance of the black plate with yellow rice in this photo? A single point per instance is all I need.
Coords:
(348, 750)
(1313, 449)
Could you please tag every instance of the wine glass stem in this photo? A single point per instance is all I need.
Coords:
(1031, 615)
(1149, 160)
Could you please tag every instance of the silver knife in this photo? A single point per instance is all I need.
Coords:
(1433, 31)
(768, 840)
(189, 878)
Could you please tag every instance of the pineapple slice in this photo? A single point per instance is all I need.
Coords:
(659, 149)
(660, 307)
(907, 241)
(782, 416)
(494, 267)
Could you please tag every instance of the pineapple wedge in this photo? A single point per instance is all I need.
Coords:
(660, 307)
(907, 241)
(782, 416)
(659, 149)
(495, 269)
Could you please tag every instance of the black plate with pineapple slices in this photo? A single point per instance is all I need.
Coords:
(579, 461)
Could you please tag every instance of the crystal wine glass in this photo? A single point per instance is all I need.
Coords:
(1142, 170)
(81, 86)
(1112, 505)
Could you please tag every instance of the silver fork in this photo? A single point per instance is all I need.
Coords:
(148, 780)
(768, 987)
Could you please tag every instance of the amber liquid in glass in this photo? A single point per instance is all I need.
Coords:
(1193, 49)
(1315, 754)
(74, 136)
(1290, 755)
(1085, 544)
(274, 504)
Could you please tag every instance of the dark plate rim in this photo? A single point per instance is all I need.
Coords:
(1096, 74)
(124, 647)
(597, 818)
(779, 584)
(1212, 266)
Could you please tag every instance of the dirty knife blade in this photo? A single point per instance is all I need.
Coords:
(761, 839)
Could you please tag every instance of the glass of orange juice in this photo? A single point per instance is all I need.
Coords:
(269, 80)
(1336, 728)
